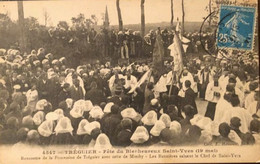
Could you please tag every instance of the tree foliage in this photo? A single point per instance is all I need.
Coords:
(61, 40)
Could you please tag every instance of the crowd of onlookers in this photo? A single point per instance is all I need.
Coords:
(127, 43)
(43, 102)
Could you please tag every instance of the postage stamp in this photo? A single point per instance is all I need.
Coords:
(236, 27)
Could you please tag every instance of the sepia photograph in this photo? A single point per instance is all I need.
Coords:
(129, 81)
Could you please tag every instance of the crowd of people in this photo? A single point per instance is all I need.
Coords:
(43, 102)
(127, 43)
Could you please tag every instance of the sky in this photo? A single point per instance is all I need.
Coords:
(155, 10)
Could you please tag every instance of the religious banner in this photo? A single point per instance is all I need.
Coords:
(158, 53)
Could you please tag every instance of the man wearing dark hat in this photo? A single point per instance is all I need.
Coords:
(95, 95)
(111, 122)
(42, 86)
(124, 135)
(53, 87)
(189, 98)
(64, 93)
(116, 99)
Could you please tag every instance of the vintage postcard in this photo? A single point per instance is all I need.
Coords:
(129, 81)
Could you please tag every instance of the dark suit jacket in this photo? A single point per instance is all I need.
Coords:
(123, 138)
(110, 123)
(53, 88)
(63, 139)
(42, 89)
(116, 100)
(76, 94)
(63, 95)
(96, 96)
(189, 99)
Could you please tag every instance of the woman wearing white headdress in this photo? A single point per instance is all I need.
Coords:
(46, 130)
(157, 128)
(108, 106)
(149, 119)
(77, 112)
(175, 127)
(140, 136)
(131, 113)
(63, 132)
(88, 106)
(91, 126)
(102, 142)
(96, 113)
(69, 102)
(41, 104)
(165, 118)
(38, 118)
(93, 130)
(81, 132)
(60, 113)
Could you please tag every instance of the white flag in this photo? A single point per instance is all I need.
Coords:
(141, 81)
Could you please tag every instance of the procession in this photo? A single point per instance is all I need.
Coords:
(161, 88)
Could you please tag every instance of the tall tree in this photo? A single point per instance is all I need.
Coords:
(21, 26)
(120, 21)
(183, 15)
(46, 17)
(142, 18)
(172, 16)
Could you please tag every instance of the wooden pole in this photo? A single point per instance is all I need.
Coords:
(172, 16)
(22, 40)
(120, 21)
(142, 18)
(170, 91)
(183, 15)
